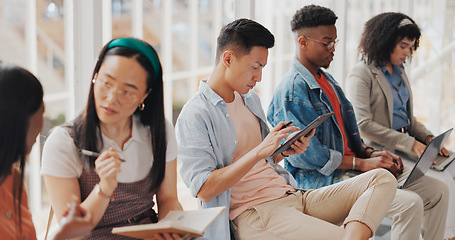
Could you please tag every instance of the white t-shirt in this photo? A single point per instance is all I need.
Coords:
(61, 159)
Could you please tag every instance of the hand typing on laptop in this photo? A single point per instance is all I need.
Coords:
(383, 159)
(444, 158)
(443, 152)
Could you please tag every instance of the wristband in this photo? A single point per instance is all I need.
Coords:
(353, 163)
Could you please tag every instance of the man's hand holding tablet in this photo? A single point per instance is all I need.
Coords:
(304, 132)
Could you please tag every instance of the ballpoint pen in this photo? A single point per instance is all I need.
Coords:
(94, 154)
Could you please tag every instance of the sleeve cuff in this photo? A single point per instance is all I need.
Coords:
(406, 144)
(198, 181)
(332, 164)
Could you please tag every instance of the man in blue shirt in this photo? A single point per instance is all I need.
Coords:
(306, 92)
(225, 147)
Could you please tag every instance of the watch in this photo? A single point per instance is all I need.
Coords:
(100, 193)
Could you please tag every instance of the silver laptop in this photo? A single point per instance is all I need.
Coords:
(426, 159)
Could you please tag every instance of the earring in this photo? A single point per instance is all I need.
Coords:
(141, 106)
(94, 78)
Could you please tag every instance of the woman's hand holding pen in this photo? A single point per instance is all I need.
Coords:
(107, 166)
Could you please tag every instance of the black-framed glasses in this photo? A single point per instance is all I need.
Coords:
(328, 45)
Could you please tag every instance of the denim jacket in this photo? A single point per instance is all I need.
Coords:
(207, 141)
(299, 97)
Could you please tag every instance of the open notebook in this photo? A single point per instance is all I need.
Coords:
(186, 223)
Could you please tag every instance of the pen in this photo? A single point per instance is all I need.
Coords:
(93, 154)
(286, 125)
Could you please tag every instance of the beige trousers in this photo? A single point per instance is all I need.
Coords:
(318, 214)
(424, 202)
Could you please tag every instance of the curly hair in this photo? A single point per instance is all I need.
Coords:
(381, 34)
(312, 16)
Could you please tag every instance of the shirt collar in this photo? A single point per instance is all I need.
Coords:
(212, 96)
(396, 70)
(306, 74)
(208, 92)
(139, 132)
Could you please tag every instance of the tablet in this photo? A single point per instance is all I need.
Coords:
(314, 124)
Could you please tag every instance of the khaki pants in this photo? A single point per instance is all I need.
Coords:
(318, 214)
(447, 177)
(424, 202)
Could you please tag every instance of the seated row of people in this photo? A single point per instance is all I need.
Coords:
(306, 91)
(225, 144)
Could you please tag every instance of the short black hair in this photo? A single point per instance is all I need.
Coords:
(242, 35)
(381, 34)
(312, 16)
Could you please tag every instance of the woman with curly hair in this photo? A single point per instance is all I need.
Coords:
(380, 93)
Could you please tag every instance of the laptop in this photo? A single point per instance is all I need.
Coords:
(425, 161)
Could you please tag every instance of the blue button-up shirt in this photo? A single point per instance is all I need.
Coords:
(400, 97)
(207, 141)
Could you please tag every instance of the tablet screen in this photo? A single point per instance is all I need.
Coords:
(314, 124)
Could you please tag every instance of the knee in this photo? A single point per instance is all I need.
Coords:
(440, 192)
(444, 190)
(411, 204)
(382, 176)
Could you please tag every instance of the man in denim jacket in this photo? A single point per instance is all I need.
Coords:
(225, 147)
(306, 92)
